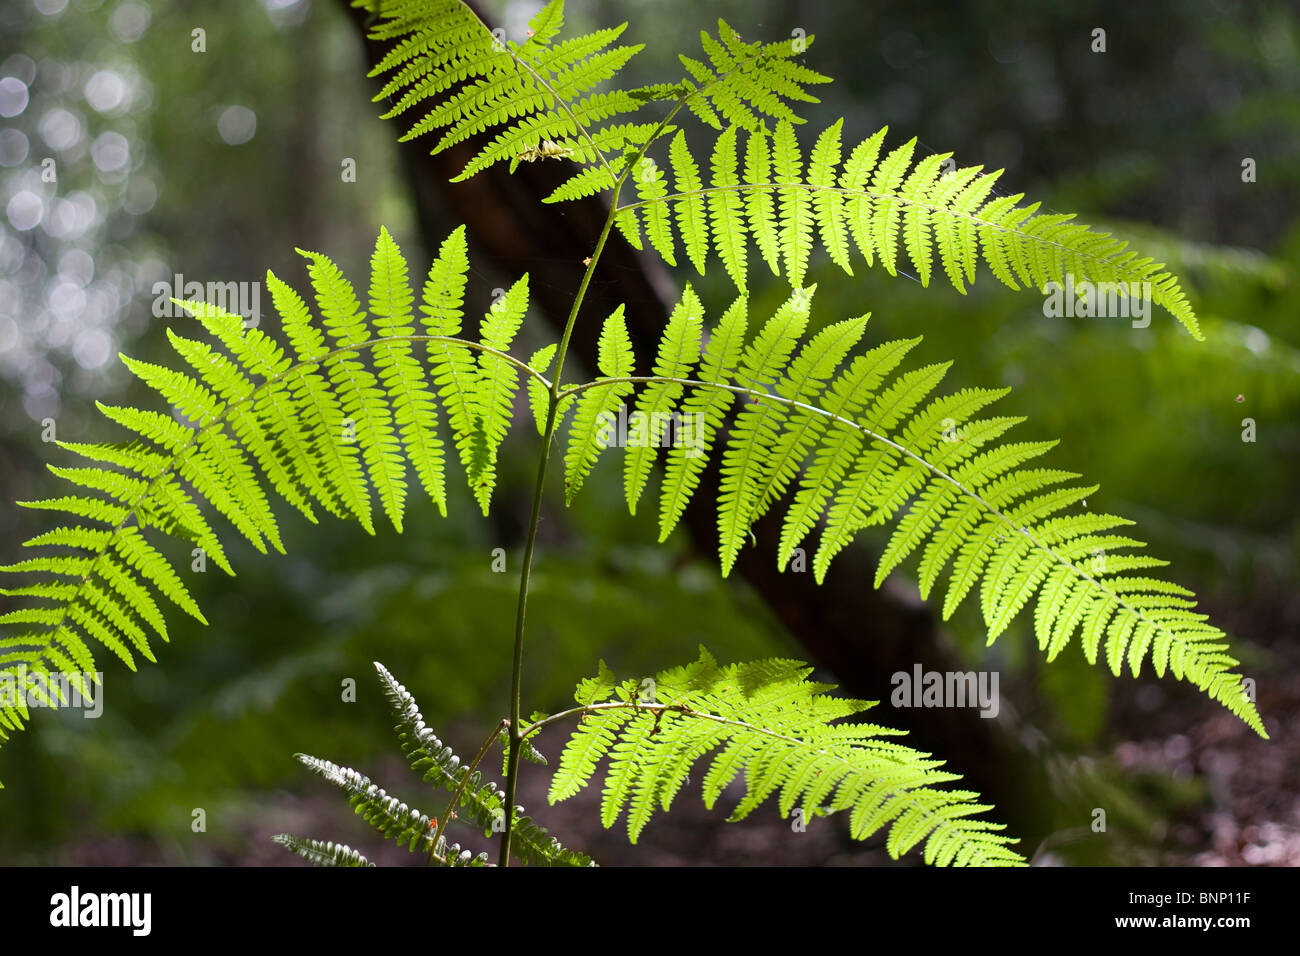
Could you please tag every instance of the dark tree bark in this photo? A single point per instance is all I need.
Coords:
(860, 634)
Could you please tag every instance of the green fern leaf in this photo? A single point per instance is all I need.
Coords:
(767, 721)
(874, 447)
(498, 380)
(414, 410)
(891, 203)
(321, 852)
(589, 432)
(537, 98)
(679, 351)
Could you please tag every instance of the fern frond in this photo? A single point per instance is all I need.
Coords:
(853, 443)
(321, 852)
(890, 208)
(766, 721)
(361, 400)
(538, 395)
(679, 351)
(704, 411)
(498, 379)
(537, 99)
(451, 364)
(756, 425)
(344, 410)
(748, 82)
(482, 801)
(392, 818)
(588, 434)
(415, 411)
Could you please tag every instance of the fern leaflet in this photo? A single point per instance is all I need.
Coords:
(870, 447)
(767, 721)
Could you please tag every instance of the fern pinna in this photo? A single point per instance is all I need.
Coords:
(848, 439)
(475, 800)
(345, 415)
(537, 94)
(767, 721)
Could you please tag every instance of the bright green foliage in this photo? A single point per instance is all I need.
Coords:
(890, 209)
(589, 432)
(477, 801)
(344, 410)
(679, 351)
(321, 853)
(531, 95)
(745, 82)
(498, 380)
(870, 446)
(767, 721)
(545, 98)
(347, 411)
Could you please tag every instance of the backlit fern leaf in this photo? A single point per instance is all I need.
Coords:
(498, 379)
(528, 95)
(414, 407)
(894, 212)
(590, 431)
(755, 428)
(346, 408)
(767, 722)
(651, 419)
(870, 446)
(702, 413)
(451, 364)
(746, 83)
(543, 98)
(368, 421)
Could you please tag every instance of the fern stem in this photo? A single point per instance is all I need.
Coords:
(460, 787)
(534, 519)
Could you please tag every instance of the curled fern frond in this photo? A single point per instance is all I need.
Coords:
(766, 721)
(853, 443)
(321, 852)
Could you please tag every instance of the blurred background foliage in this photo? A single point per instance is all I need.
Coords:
(215, 165)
